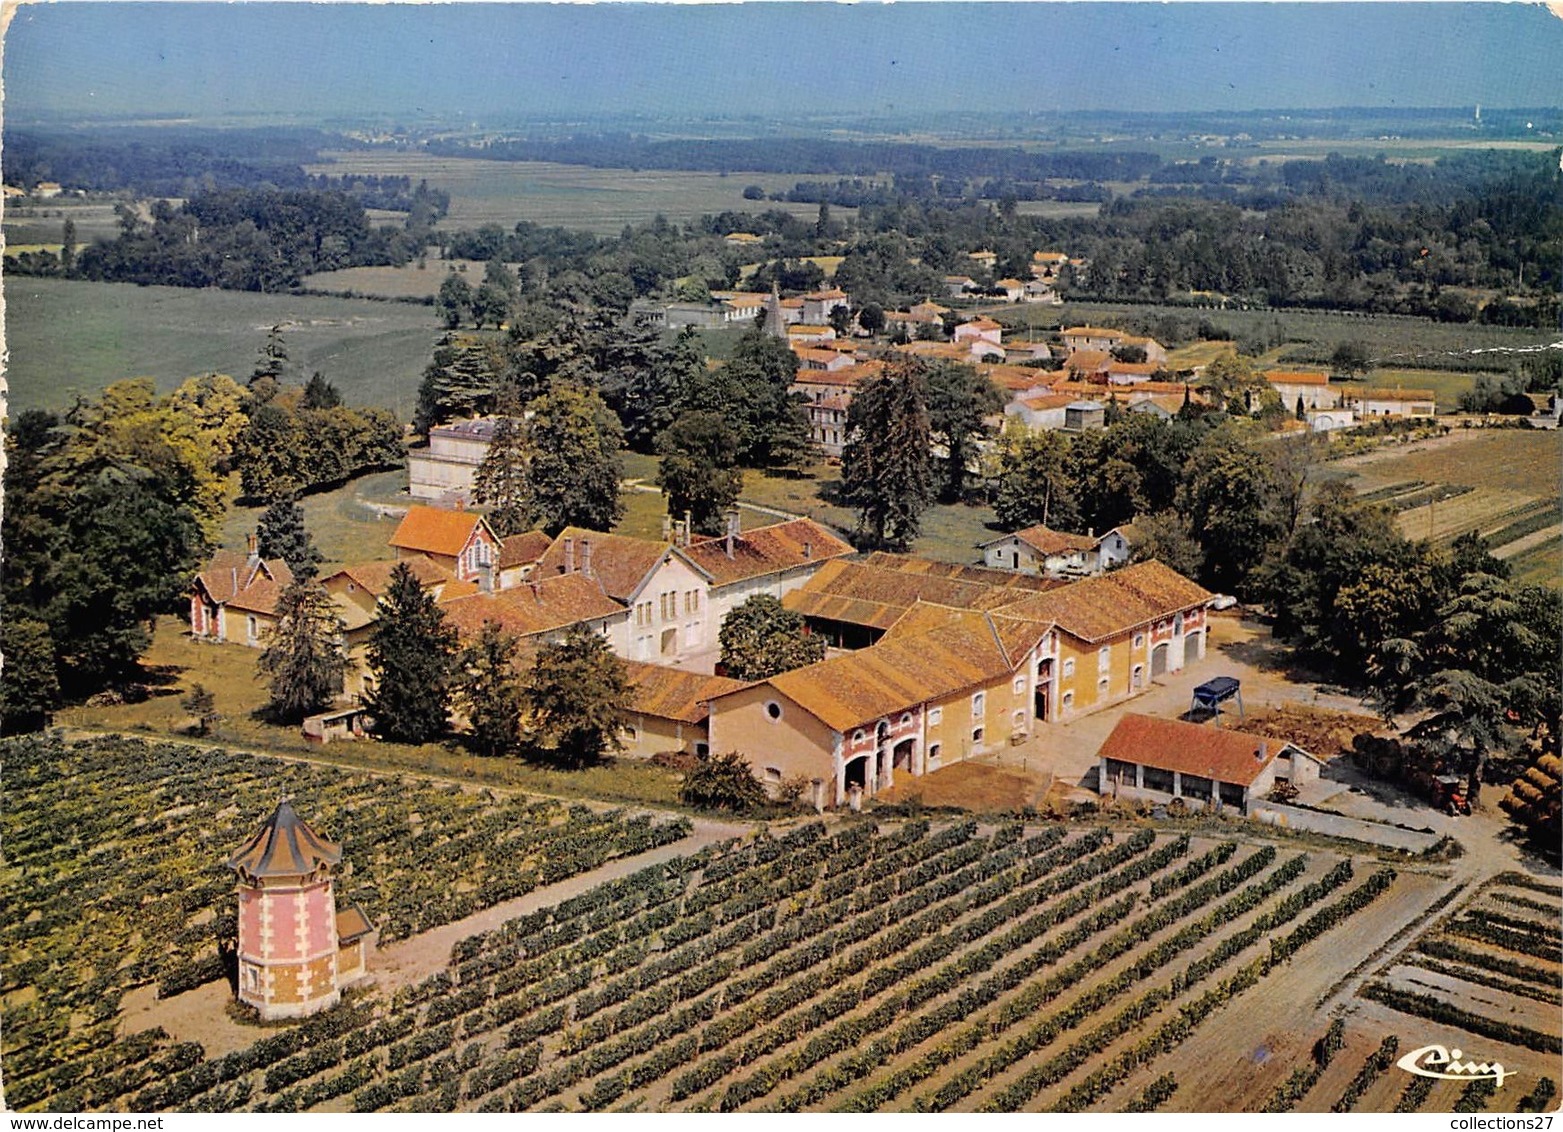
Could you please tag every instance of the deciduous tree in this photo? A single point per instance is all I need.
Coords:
(723, 782)
(1034, 484)
(959, 402)
(577, 690)
(490, 691)
(760, 639)
(575, 468)
(698, 473)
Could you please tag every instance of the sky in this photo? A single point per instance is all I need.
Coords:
(481, 61)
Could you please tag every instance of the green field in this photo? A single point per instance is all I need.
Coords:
(573, 196)
(411, 281)
(66, 337)
(43, 222)
(1400, 344)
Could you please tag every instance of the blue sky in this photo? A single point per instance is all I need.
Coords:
(484, 60)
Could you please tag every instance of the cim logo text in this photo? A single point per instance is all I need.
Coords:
(1445, 1065)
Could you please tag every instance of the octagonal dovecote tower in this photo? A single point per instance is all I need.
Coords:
(296, 951)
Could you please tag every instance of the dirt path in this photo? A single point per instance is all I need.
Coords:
(201, 1015)
(414, 959)
(1535, 538)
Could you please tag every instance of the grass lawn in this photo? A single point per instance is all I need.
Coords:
(573, 196)
(67, 336)
(229, 671)
(341, 521)
(409, 281)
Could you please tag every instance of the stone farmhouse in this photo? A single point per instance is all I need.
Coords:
(1313, 389)
(1371, 403)
(949, 663)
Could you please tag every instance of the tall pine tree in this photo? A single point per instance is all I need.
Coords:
(412, 657)
(503, 481)
(885, 471)
(303, 659)
(280, 533)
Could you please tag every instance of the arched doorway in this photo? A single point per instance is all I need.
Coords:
(1159, 660)
(901, 759)
(1191, 649)
(857, 773)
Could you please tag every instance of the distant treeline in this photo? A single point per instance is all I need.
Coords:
(180, 163)
(812, 155)
(245, 240)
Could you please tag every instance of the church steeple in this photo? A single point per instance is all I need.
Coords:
(775, 324)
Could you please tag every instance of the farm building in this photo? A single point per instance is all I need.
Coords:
(1312, 388)
(1371, 403)
(445, 469)
(668, 709)
(296, 951)
(1043, 551)
(234, 597)
(1083, 415)
(1161, 759)
(460, 541)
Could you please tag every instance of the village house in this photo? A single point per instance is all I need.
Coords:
(819, 384)
(1088, 365)
(851, 604)
(518, 555)
(818, 306)
(743, 240)
(1115, 547)
(1163, 759)
(540, 611)
(827, 419)
(820, 358)
(1090, 338)
(984, 259)
(447, 467)
(982, 329)
(1155, 352)
(1040, 409)
(773, 560)
(958, 286)
(1331, 420)
(1014, 290)
(234, 597)
(1036, 291)
(1371, 403)
(1042, 551)
(1117, 632)
(741, 306)
(461, 541)
(668, 710)
(804, 334)
(357, 591)
(1313, 389)
(1017, 353)
(1046, 266)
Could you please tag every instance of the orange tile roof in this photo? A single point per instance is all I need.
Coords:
(1295, 377)
(533, 607)
(620, 562)
(1191, 748)
(1132, 368)
(1094, 609)
(1088, 361)
(231, 575)
(260, 596)
(766, 550)
(1091, 332)
(982, 323)
(671, 693)
(1016, 379)
(375, 577)
(434, 531)
(284, 846)
(1004, 579)
(1050, 257)
(833, 293)
(1041, 402)
(875, 593)
(225, 575)
(1009, 283)
(518, 550)
(1045, 540)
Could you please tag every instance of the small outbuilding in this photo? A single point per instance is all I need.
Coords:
(1161, 759)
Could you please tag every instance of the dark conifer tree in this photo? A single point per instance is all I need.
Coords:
(411, 657)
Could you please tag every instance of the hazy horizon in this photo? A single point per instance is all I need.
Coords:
(479, 62)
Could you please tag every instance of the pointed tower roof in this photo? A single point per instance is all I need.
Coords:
(284, 846)
(775, 324)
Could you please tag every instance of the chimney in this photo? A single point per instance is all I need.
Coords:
(569, 556)
(1259, 752)
(252, 544)
(808, 550)
(689, 526)
(586, 557)
(732, 529)
(667, 528)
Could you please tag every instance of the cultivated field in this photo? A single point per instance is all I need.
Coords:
(43, 222)
(1399, 344)
(957, 967)
(572, 196)
(69, 336)
(1504, 484)
(409, 282)
(114, 880)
